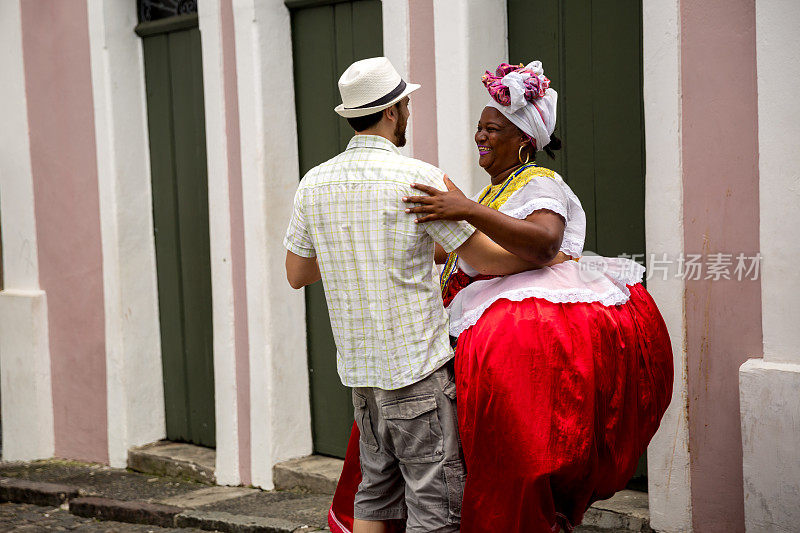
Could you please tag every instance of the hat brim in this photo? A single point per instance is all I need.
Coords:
(363, 111)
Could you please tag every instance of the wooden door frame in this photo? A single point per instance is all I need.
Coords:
(195, 420)
(330, 401)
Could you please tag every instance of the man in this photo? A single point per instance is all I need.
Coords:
(350, 229)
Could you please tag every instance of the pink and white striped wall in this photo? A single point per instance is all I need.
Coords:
(79, 343)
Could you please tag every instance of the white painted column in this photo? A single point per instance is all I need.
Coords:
(27, 402)
(279, 390)
(396, 47)
(219, 221)
(668, 453)
(133, 345)
(471, 36)
(769, 388)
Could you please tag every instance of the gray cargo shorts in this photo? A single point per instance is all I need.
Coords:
(411, 461)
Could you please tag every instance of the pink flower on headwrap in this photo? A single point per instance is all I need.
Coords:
(522, 93)
(535, 84)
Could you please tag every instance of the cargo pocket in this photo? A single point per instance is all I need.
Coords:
(449, 391)
(454, 476)
(416, 433)
(364, 422)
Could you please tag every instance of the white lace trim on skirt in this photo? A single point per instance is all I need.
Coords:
(591, 279)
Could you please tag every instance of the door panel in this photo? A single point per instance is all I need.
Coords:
(326, 39)
(173, 75)
(592, 53)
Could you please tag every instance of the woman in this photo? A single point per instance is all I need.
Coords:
(563, 372)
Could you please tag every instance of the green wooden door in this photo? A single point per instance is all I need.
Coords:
(592, 52)
(326, 38)
(176, 123)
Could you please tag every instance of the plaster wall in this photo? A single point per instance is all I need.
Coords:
(470, 37)
(668, 454)
(55, 45)
(133, 347)
(778, 44)
(770, 407)
(25, 376)
(279, 392)
(396, 20)
(770, 387)
(422, 70)
(20, 255)
(408, 42)
(721, 215)
(237, 238)
(25, 387)
(226, 396)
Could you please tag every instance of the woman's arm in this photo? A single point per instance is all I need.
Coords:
(536, 239)
(488, 257)
(439, 255)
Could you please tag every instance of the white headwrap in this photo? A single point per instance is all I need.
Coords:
(537, 118)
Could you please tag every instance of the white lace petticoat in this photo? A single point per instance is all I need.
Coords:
(590, 279)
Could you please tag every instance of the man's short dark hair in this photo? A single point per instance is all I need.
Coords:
(367, 121)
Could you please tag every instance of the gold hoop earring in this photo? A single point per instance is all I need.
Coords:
(519, 155)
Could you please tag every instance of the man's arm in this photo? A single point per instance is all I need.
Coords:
(301, 271)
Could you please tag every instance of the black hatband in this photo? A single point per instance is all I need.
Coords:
(394, 93)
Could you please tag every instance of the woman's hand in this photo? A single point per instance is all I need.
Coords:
(440, 205)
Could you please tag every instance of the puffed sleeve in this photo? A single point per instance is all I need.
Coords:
(541, 192)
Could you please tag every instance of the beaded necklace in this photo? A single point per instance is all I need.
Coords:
(451, 266)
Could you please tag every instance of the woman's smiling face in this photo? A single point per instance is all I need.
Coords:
(498, 142)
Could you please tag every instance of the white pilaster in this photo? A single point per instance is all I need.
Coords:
(133, 346)
(396, 47)
(778, 53)
(769, 388)
(668, 453)
(471, 36)
(27, 401)
(219, 222)
(25, 375)
(279, 391)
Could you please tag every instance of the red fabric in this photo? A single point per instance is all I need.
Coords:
(340, 519)
(458, 281)
(556, 402)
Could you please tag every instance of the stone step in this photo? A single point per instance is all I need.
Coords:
(626, 511)
(175, 459)
(104, 493)
(314, 473)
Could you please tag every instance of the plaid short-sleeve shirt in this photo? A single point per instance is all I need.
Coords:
(377, 265)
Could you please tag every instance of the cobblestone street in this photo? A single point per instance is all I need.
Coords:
(33, 518)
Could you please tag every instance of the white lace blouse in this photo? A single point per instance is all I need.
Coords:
(544, 192)
(590, 279)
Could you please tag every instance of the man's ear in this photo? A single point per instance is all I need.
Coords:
(391, 113)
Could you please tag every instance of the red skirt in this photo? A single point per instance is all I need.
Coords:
(556, 403)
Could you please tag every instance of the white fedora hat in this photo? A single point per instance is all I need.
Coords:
(369, 86)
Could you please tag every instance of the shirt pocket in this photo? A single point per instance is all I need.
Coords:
(414, 427)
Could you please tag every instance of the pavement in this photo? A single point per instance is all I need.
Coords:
(97, 492)
(28, 518)
(57, 495)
